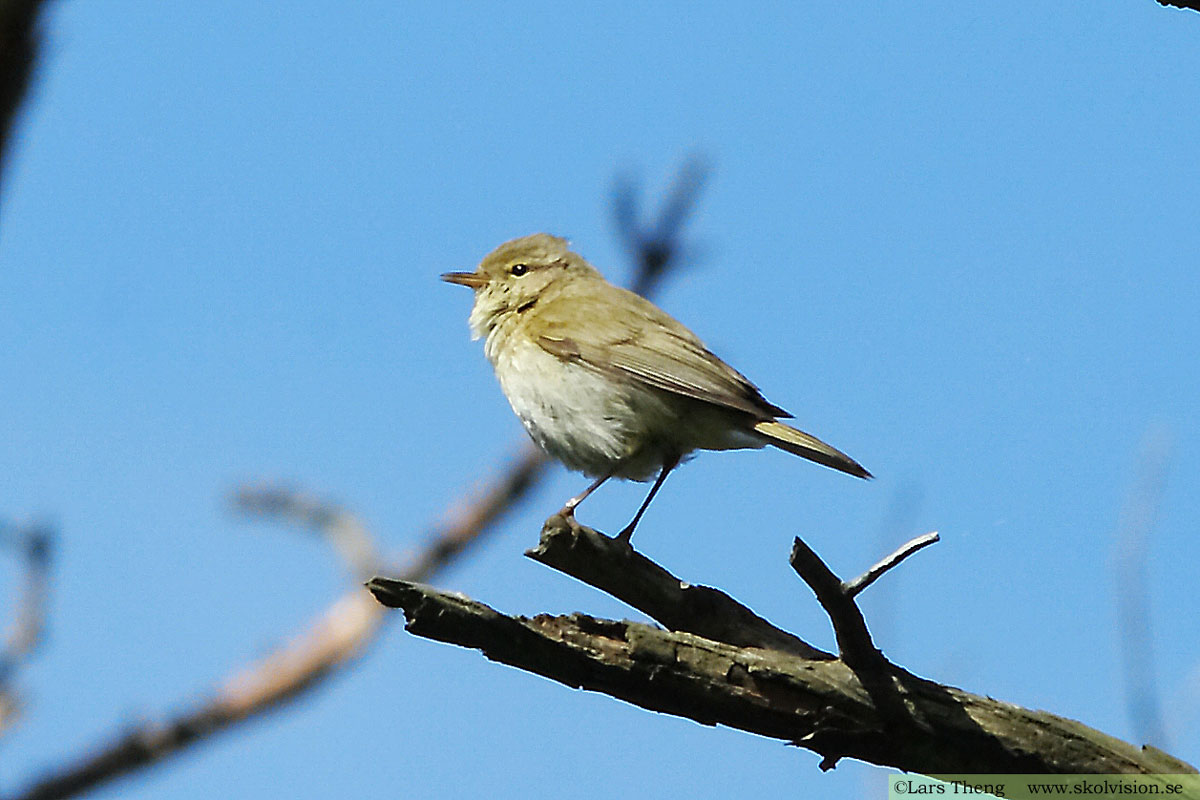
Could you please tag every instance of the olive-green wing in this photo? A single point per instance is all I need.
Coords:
(621, 334)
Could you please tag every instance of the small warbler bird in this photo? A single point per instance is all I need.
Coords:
(607, 382)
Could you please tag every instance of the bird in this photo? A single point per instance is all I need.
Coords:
(608, 383)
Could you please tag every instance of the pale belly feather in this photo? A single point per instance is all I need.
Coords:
(595, 424)
(574, 414)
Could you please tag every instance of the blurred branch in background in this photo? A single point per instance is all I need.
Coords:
(19, 45)
(32, 545)
(345, 532)
(657, 246)
(333, 639)
(1131, 556)
(342, 633)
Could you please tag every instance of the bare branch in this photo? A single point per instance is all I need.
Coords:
(332, 641)
(816, 704)
(627, 575)
(33, 544)
(857, 649)
(852, 588)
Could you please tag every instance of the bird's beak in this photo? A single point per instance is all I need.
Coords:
(472, 279)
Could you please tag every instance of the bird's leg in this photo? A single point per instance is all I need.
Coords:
(669, 464)
(568, 510)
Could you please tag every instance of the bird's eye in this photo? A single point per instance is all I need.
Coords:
(519, 269)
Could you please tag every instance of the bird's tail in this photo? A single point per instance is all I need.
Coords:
(785, 437)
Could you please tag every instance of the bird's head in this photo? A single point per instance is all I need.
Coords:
(516, 275)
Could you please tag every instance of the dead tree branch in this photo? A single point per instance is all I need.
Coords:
(857, 650)
(817, 703)
(855, 586)
(637, 581)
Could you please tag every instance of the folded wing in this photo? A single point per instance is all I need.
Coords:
(631, 339)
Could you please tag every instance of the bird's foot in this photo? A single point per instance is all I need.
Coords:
(567, 513)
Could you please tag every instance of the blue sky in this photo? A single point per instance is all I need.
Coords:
(957, 241)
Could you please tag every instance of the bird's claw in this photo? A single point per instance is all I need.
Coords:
(567, 514)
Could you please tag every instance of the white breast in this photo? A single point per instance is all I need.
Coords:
(587, 421)
(595, 423)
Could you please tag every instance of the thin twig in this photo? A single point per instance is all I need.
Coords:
(852, 588)
(332, 640)
(354, 545)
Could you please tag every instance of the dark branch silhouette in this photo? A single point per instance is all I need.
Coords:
(808, 699)
(19, 46)
(637, 581)
(1194, 6)
(856, 649)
